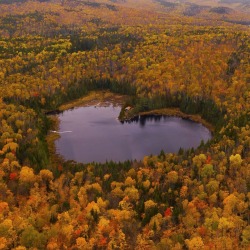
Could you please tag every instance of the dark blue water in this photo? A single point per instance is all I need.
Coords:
(98, 136)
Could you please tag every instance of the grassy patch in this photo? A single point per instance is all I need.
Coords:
(55, 159)
(95, 98)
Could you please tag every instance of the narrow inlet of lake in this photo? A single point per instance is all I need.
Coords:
(93, 133)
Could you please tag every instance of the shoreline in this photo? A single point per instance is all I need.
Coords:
(175, 112)
(97, 98)
(104, 98)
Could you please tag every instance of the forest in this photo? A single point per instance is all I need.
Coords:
(192, 56)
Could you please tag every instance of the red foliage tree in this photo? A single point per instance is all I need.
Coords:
(168, 212)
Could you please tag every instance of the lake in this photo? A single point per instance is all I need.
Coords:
(93, 133)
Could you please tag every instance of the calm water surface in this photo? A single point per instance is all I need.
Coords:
(98, 136)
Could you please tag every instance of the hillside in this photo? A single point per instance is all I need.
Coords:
(192, 56)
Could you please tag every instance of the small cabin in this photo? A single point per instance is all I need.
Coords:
(128, 108)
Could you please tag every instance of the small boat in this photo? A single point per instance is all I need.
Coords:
(60, 132)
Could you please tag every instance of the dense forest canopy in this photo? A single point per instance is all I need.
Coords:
(193, 56)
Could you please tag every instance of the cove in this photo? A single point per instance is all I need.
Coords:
(93, 134)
